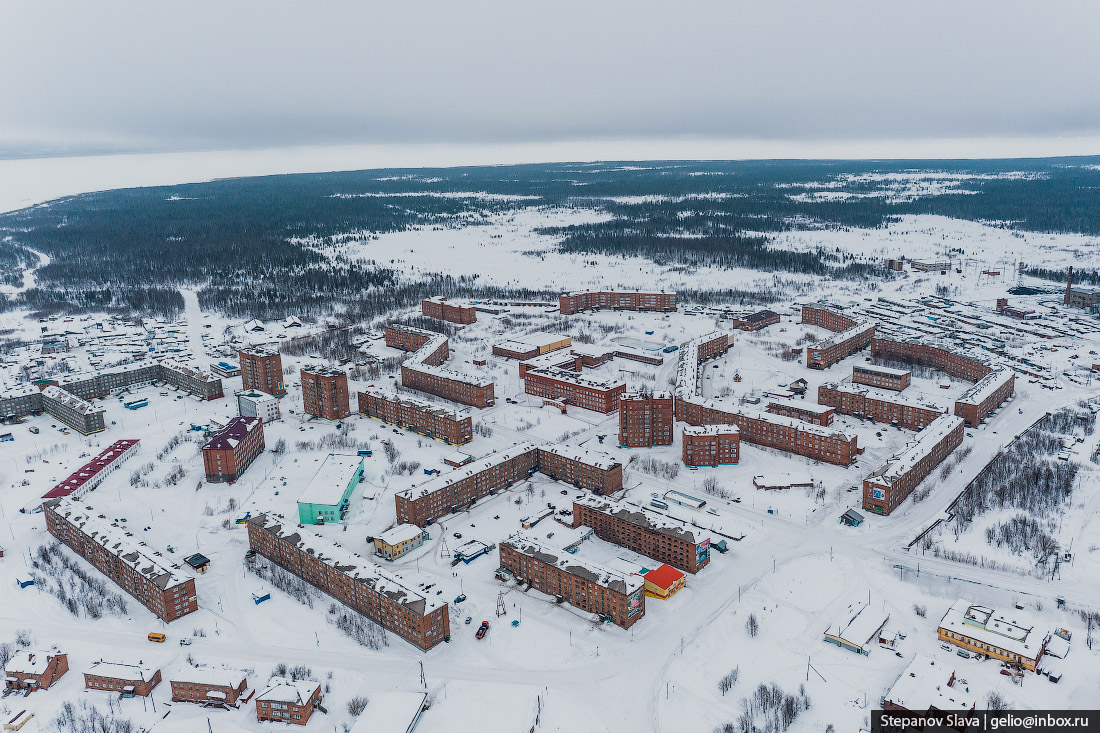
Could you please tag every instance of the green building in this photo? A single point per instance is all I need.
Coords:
(328, 494)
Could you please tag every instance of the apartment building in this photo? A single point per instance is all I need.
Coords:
(647, 533)
(754, 321)
(411, 413)
(80, 415)
(262, 369)
(441, 308)
(423, 371)
(453, 491)
(325, 393)
(422, 620)
(123, 679)
(528, 346)
(229, 453)
(137, 569)
(209, 686)
(807, 412)
(89, 476)
(31, 669)
(570, 303)
(917, 351)
(573, 389)
(591, 587)
(860, 401)
(288, 701)
(850, 335)
(646, 419)
(888, 486)
(711, 445)
(984, 396)
(873, 375)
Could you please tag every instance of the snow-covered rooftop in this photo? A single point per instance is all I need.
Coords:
(574, 565)
(1010, 630)
(286, 690)
(660, 523)
(925, 684)
(122, 671)
(899, 464)
(331, 480)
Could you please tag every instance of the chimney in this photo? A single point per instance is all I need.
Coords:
(1069, 286)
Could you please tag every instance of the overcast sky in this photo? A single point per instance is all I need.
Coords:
(79, 77)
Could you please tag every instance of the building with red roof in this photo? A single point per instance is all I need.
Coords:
(663, 582)
(91, 474)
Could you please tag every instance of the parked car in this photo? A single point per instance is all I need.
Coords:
(185, 641)
(482, 630)
(469, 619)
(945, 647)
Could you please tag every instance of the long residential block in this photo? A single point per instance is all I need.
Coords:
(422, 371)
(441, 308)
(358, 583)
(850, 335)
(582, 583)
(91, 474)
(573, 389)
(633, 300)
(984, 396)
(133, 566)
(888, 486)
(661, 538)
(411, 413)
(853, 399)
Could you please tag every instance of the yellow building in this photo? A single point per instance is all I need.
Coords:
(663, 582)
(396, 541)
(1006, 635)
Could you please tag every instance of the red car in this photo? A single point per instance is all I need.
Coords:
(482, 630)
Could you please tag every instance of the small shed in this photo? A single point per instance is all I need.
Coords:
(198, 562)
(458, 458)
(851, 518)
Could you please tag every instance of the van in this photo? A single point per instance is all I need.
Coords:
(963, 653)
(157, 637)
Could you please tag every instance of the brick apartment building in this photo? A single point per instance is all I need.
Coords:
(423, 371)
(582, 583)
(229, 453)
(89, 476)
(986, 395)
(124, 679)
(646, 419)
(79, 414)
(530, 345)
(262, 369)
(570, 303)
(451, 492)
(851, 399)
(133, 566)
(880, 376)
(353, 580)
(423, 417)
(209, 686)
(325, 393)
(439, 307)
(30, 669)
(888, 486)
(656, 536)
(849, 335)
(807, 412)
(573, 389)
(288, 701)
(754, 321)
(711, 445)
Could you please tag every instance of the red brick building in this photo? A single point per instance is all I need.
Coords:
(850, 399)
(123, 679)
(568, 387)
(849, 336)
(588, 586)
(209, 686)
(880, 376)
(229, 453)
(325, 393)
(133, 566)
(645, 419)
(34, 670)
(570, 303)
(439, 307)
(755, 321)
(676, 543)
(423, 371)
(711, 445)
(454, 491)
(418, 415)
(888, 486)
(801, 410)
(986, 395)
(288, 701)
(358, 583)
(262, 369)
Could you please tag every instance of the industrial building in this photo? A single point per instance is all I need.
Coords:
(358, 583)
(647, 533)
(1076, 298)
(444, 310)
(262, 369)
(411, 413)
(91, 474)
(873, 375)
(570, 303)
(328, 494)
(860, 401)
(646, 419)
(325, 393)
(1010, 636)
(226, 455)
(573, 389)
(451, 492)
(122, 679)
(710, 445)
(137, 569)
(849, 335)
(888, 486)
(594, 588)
